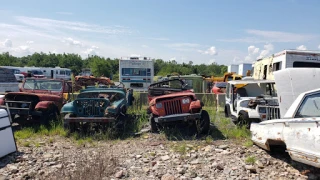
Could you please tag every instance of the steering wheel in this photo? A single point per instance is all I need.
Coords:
(118, 86)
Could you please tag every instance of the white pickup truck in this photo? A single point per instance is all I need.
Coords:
(299, 127)
(8, 81)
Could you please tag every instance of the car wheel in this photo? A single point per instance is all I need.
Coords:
(153, 124)
(203, 124)
(243, 120)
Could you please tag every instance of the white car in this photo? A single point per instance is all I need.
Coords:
(250, 100)
(298, 130)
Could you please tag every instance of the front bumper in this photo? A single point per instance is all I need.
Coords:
(177, 117)
(89, 119)
(24, 111)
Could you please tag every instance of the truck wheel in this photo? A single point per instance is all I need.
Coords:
(49, 115)
(153, 124)
(203, 124)
(243, 119)
(67, 125)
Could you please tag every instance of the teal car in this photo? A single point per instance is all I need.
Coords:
(97, 105)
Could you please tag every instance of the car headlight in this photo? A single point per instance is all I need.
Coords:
(159, 105)
(186, 101)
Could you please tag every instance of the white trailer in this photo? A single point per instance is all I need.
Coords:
(233, 68)
(136, 73)
(264, 68)
(56, 73)
(243, 68)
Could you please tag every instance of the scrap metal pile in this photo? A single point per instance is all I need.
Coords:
(84, 81)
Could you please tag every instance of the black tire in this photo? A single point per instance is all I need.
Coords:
(226, 111)
(48, 116)
(153, 124)
(203, 124)
(70, 127)
(243, 119)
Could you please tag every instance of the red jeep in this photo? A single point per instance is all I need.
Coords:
(171, 101)
(38, 100)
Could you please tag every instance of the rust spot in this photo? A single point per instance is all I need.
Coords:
(309, 129)
(298, 133)
(259, 138)
(279, 133)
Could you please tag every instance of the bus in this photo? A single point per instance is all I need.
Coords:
(56, 73)
(136, 73)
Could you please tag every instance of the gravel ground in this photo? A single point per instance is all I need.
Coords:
(150, 156)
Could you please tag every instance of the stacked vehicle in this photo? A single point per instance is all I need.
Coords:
(171, 101)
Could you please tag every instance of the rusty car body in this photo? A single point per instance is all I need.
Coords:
(39, 99)
(298, 131)
(170, 101)
(97, 105)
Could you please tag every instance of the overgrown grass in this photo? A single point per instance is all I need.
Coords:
(250, 160)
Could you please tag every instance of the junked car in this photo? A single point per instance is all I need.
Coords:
(298, 128)
(97, 105)
(249, 100)
(171, 101)
(39, 100)
(298, 131)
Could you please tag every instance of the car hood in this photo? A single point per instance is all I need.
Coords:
(173, 95)
(42, 96)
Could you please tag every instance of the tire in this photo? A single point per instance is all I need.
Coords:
(203, 124)
(153, 124)
(226, 111)
(243, 119)
(69, 126)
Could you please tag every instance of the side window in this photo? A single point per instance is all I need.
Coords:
(310, 107)
(277, 66)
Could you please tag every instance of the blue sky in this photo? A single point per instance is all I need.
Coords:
(204, 31)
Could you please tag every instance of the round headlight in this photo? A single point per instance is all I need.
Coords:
(185, 101)
(159, 105)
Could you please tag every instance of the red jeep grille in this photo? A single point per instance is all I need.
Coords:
(173, 107)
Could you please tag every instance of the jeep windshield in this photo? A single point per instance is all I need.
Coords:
(111, 96)
(41, 84)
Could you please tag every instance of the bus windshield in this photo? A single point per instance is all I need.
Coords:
(136, 72)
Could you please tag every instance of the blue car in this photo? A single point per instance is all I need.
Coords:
(97, 105)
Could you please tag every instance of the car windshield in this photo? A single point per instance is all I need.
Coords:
(37, 72)
(39, 84)
(111, 96)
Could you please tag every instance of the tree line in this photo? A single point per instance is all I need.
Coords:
(106, 66)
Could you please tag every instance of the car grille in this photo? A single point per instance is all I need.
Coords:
(90, 108)
(173, 107)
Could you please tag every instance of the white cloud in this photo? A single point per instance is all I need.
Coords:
(72, 42)
(301, 47)
(65, 13)
(261, 36)
(211, 51)
(319, 47)
(159, 39)
(52, 24)
(268, 49)
(7, 43)
(144, 46)
(30, 42)
(252, 53)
